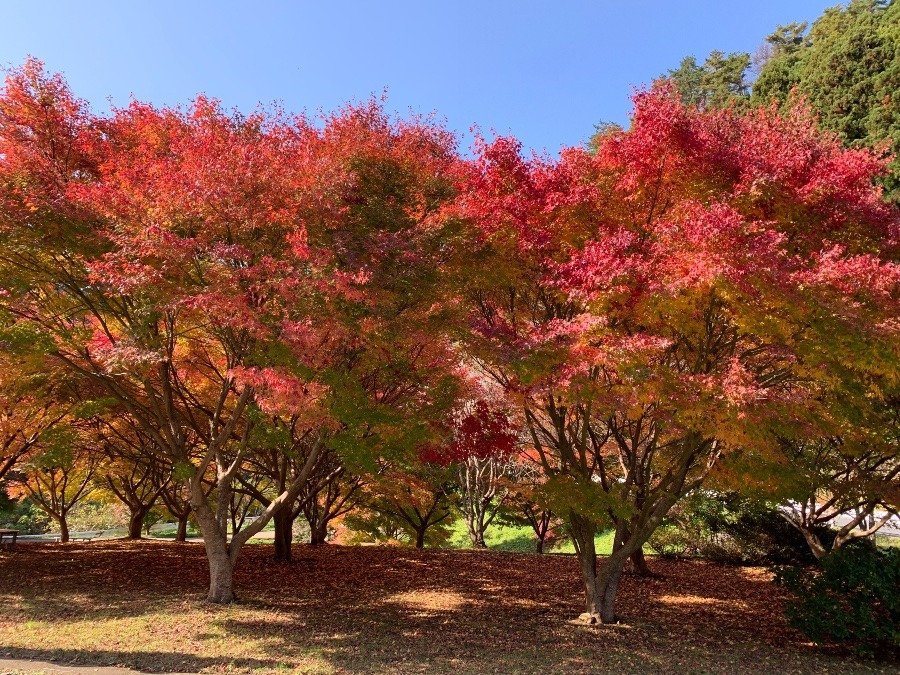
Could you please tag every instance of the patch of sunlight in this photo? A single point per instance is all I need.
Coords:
(699, 600)
(757, 573)
(446, 601)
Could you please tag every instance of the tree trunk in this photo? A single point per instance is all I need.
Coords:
(815, 544)
(608, 585)
(624, 548)
(540, 525)
(221, 575)
(583, 532)
(318, 535)
(63, 529)
(284, 534)
(476, 528)
(182, 528)
(637, 564)
(136, 522)
(215, 541)
(420, 538)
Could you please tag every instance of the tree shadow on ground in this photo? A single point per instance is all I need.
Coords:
(385, 609)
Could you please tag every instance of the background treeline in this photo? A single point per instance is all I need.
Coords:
(846, 65)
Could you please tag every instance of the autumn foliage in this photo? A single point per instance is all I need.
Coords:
(692, 287)
(294, 312)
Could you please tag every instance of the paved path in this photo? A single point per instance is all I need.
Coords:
(889, 529)
(26, 666)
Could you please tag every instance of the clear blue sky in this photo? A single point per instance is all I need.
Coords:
(543, 71)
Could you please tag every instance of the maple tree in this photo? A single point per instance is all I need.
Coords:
(176, 498)
(523, 507)
(379, 187)
(160, 311)
(212, 264)
(839, 480)
(34, 397)
(132, 474)
(680, 291)
(482, 453)
(411, 503)
(282, 446)
(336, 493)
(60, 475)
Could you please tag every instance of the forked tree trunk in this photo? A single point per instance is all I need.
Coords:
(136, 522)
(221, 566)
(814, 543)
(600, 587)
(540, 525)
(811, 538)
(626, 549)
(476, 532)
(218, 551)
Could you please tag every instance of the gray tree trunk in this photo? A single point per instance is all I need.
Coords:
(583, 532)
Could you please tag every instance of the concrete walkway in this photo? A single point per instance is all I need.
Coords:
(26, 666)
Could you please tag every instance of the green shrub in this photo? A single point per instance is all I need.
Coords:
(672, 541)
(763, 536)
(22, 515)
(852, 599)
(725, 527)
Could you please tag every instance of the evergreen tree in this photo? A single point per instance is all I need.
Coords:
(848, 68)
(721, 79)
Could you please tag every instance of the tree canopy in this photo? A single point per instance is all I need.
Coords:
(310, 314)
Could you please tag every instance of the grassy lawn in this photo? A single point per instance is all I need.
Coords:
(498, 537)
(341, 609)
(519, 539)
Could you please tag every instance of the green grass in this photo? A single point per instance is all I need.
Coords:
(887, 542)
(519, 539)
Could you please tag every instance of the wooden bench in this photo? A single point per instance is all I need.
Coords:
(83, 536)
(76, 536)
(8, 538)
